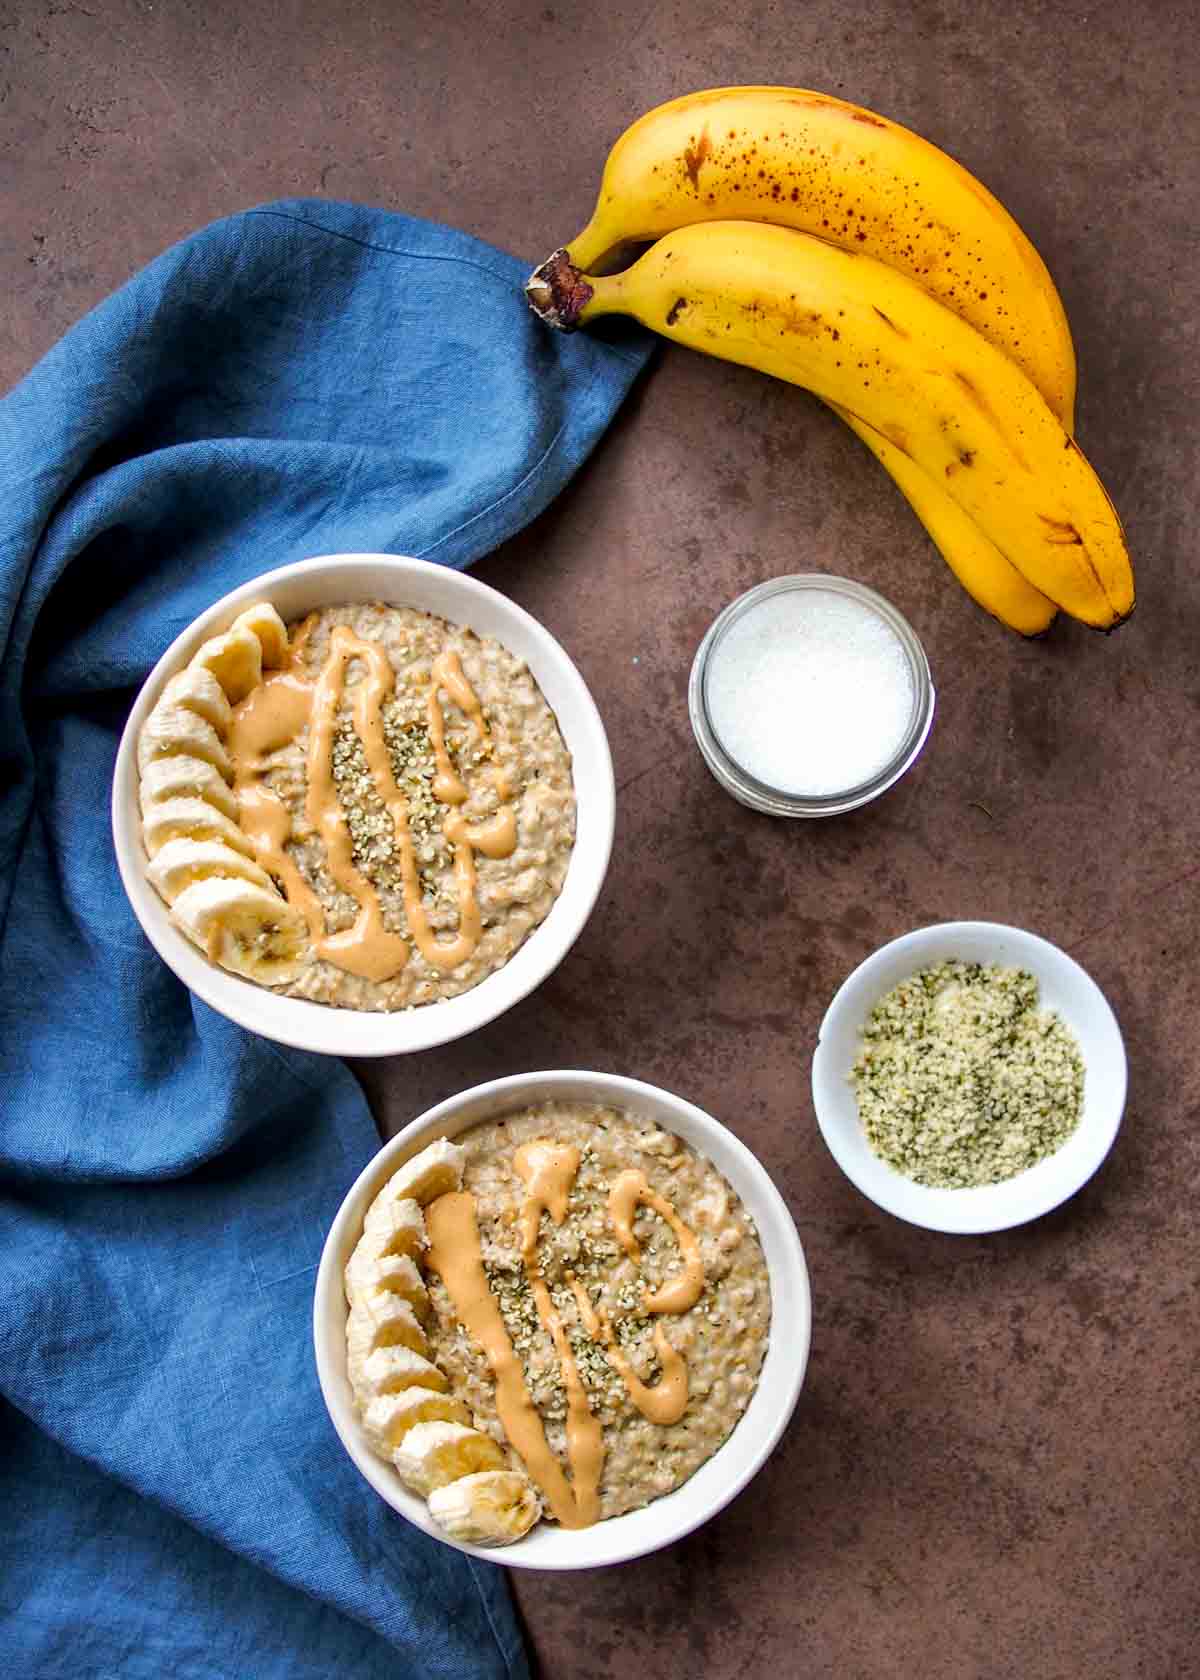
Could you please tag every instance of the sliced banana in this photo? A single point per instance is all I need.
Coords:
(235, 659)
(488, 1508)
(245, 928)
(435, 1171)
(392, 1274)
(174, 731)
(191, 819)
(198, 690)
(401, 1237)
(389, 1369)
(179, 863)
(263, 621)
(181, 776)
(397, 1224)
(388, 1418)
(432, 1454)
(384, 1321)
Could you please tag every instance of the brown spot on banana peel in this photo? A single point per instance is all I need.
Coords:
(977, 398)
(676, 310)
(888, 322)
(1107, 629)
(557, 292)
(897, 438)
(827, 102)
(966, 458)
(695, 157)
(1061, 532)
(784, 315)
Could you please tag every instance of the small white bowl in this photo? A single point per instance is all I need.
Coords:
(324, 581)
(733, 1464)
(1063, 987)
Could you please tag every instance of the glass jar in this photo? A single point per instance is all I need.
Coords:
(908, 736)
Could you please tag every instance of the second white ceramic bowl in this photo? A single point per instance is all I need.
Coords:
(324, 581)
(733, 1464)
(1064, 987)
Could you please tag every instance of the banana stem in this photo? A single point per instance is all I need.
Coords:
(558, 293)
(598, 250)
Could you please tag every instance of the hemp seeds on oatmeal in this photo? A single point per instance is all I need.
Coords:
(594, 1305)
(371, 808)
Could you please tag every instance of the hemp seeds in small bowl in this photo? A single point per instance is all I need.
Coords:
(969, 1077)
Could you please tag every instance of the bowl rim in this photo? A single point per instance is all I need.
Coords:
(307, 1025)
(493, 1098)
(964, 1212)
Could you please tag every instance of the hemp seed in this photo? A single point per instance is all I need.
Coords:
(962, 1081)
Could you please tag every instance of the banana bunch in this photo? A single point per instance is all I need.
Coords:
(408, 1415)
(201, 861)
(826, 245)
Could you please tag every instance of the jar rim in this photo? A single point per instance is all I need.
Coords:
(761, 796)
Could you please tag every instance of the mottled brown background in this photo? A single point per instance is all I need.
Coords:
(991, 1471)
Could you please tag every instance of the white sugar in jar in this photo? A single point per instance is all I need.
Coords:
(810, 695)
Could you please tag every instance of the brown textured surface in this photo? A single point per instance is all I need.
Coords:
(991, 1470)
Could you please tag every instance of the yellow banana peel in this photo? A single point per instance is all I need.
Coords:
(872, 342)
(988, 578)
(799, 158)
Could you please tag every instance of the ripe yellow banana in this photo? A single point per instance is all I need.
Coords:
(867, 338)
(803, 159)
(988, 578)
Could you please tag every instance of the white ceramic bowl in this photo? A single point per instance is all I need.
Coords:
(1064, 987)
(732, 1465)
(295, 590)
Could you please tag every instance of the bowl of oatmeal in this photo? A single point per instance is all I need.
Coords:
(363, 804)
(561, 1319)
(969, 1077)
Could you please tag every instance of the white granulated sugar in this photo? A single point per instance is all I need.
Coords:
(810, 692)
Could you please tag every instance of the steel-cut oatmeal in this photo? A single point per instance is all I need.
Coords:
(593, 1308)
(372, 808)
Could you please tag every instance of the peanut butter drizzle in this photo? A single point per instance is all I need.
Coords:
(448, 785)
(495, 838)
(455, 1255)
(548, 1171)
(667, 1401)
(366, 948)
(268, 718)
(680, 1293)
(448, 673)
(274, 714)
(368, 724)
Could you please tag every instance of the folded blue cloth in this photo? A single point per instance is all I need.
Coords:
(304, 378)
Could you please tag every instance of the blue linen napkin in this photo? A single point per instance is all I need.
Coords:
(303, 378)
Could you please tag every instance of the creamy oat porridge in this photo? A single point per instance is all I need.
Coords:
(563, 1313)
(371, 808)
